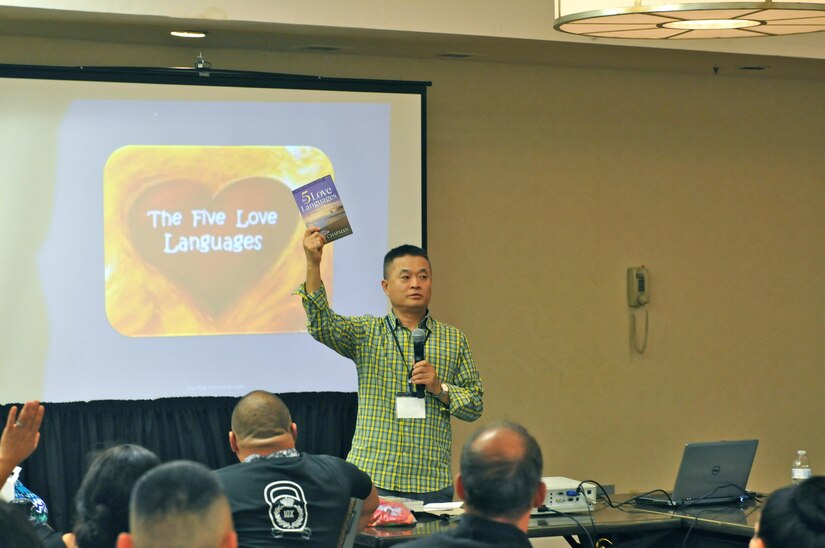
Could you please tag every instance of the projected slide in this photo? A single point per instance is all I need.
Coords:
(205, 240)
(163, 244)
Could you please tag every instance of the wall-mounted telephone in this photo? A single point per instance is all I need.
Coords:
(638, 295)
(638, 286)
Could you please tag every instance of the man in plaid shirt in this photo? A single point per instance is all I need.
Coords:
(408, 457)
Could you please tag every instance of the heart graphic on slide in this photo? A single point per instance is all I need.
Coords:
(214, 279)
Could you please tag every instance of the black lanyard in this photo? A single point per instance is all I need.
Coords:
(398, 345)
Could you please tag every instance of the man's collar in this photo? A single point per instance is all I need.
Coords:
(283, 453)
(425, 323)
(473, 521)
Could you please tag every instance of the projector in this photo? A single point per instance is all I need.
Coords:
(563, 496)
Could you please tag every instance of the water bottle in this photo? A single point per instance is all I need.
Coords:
(800, 469)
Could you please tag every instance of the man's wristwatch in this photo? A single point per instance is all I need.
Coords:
(445, 389)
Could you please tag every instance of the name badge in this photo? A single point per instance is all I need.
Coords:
(410, 407)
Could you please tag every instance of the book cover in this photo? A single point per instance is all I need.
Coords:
(320, 205)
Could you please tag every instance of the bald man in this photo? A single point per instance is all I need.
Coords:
(500, 483)
(279, 495)
(178, 505)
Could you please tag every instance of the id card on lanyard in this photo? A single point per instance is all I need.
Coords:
(409, 407)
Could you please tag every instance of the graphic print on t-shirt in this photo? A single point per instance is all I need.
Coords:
(287, 509)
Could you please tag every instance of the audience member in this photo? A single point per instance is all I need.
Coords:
(16, 531)
(500, 482)
(793, 517)
(18, 441)
(179, 505)
(20, 437)
(277, 492)
(102, 502)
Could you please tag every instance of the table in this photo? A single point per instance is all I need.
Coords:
(638, 526)
(716, 525)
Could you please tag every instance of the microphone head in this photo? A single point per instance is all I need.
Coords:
(419, 335)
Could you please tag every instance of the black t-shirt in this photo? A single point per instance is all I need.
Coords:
(475, 532)
(286, 501)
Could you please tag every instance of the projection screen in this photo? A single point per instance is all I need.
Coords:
(151, 240)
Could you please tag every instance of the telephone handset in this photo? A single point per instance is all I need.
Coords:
(638, 286)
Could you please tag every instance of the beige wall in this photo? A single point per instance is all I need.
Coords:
(546, 183)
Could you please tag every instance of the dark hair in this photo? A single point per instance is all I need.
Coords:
(174, 504)
(16, 531)
(795, 516)
(260, 415)
(406, 250)
(102, 502)
(498, 486)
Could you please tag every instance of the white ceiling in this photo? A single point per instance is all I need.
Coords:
(514, 31)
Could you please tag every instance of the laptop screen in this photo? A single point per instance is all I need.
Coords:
(714, 470)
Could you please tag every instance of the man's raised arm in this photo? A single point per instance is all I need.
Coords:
(314, 249)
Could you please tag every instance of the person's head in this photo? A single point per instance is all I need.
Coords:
(793, 516)
(16, 531)
(179, 504)
(102, 502)
(500, 476)
(261, 424)
(407, 277)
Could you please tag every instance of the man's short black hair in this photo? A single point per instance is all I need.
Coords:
(795, 516)
(176, 504)
(500, 487)
(406, 250)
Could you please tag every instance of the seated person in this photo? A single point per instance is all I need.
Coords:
(102, 501)
(179, 505)
(793, 517)
(19, 439)
(500, 483)
(278, 493)
(16, 531)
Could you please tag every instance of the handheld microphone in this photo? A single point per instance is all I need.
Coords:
(419, 337)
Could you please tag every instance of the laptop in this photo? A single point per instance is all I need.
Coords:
(710, 473)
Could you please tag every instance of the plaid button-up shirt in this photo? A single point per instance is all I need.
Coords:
(408, 455)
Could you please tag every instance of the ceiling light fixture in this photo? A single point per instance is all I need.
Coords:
(686, 21)
(188, 33)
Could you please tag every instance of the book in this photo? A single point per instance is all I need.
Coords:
(320, 205)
